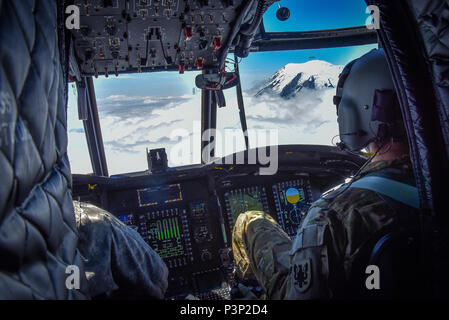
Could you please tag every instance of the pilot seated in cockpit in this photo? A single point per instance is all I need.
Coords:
(319, 262)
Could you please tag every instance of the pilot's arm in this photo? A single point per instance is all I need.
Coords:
(118, 262)
(316, 271)
(286, 269)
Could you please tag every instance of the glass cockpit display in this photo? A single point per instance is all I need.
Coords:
(153, 196)
(166, 231)
(245, 199)
(292, 203)
(163, 234)
(165, 237)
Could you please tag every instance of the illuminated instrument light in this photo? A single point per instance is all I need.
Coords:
(171, 228)
(189, 33)
(217, 43)
(159, 230)
(181, 68)
(200, 63)
(165, 224)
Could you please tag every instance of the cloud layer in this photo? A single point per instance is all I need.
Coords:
(132, 124)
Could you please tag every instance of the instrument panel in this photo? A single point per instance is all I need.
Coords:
(179, 221)
(185, 233)
(188, 216)
(241, 200)
(292, 200)
(287, 200)
(123, 36)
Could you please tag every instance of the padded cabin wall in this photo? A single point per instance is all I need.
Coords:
(432, 19)
(420, 104)
(38, 234)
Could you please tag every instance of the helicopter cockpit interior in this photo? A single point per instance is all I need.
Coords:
(187, 213)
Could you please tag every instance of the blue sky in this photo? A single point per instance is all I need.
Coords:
(142, 110)
(315, 15)
(307, 16)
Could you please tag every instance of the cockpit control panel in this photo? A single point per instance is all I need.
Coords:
(245, 199)
(152, 35)
(187, 215)
(292, 200)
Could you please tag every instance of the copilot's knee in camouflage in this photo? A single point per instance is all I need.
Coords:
(239, 240)
(256, 236)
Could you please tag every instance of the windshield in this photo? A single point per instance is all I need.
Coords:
(317, 15)
(287, 93)
(291, 92)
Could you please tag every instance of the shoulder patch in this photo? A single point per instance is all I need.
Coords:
(302, 275)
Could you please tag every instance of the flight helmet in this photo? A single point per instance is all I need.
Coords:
(367, 105)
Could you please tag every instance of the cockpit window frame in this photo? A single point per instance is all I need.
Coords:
(264, 42)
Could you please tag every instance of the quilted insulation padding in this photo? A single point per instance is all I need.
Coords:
(433, 23)
(414, 33)
(38, 236)
(415, 87)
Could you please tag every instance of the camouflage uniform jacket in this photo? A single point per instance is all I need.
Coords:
(317, 264)
(118, 262)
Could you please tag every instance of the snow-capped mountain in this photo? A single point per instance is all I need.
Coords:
(292, 78)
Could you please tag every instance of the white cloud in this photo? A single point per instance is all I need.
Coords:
(309, 118)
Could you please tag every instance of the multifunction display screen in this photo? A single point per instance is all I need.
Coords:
(154, 196)
(164, 236)
(292, 201)
(241, 201)
(245, 199)
(166, 231)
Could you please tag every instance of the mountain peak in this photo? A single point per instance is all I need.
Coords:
(293, 77)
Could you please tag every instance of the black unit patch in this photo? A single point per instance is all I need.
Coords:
(302, 272)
